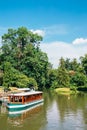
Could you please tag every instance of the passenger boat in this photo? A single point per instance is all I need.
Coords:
(19, 102)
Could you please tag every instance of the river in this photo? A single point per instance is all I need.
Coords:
(57, 113)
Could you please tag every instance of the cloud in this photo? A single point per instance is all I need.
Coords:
(3, 30)
(80, 41)
(39, 32)
(58, 49)
(60, 29)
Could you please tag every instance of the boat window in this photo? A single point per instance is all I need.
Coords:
(16, 99)
(20, 99)
(11, 99)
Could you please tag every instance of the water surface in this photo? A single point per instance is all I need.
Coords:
(57, 113)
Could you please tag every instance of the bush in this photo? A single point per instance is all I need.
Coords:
(22, 81)
(82, 88)
(32, 83)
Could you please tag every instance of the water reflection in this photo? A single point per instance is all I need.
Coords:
(19, 119)
(3, 109)
(57, 113)
(28, 120)
(65, 112)
(73, 111)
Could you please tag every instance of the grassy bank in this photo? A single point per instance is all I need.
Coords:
(64, 91)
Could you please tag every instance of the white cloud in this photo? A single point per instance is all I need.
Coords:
(3, 30)
(80, 41)
(39, 32)
(56, 50)
(60, 29)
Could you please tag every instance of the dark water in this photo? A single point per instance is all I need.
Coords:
(57, 113)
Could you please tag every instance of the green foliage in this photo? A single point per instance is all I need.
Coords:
(63, 78)
(32, 83)
(20, 47)
(52, 82)
(82, 88)
(12, 77)
(7, 77)
(74, 64)
(71, 65)
(23, 64)
(22, 81)
(67, 64)
(79, 79)
(1, 78)
(63, 75)
(84, 63)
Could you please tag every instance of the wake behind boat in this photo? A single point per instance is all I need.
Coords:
(19, 102)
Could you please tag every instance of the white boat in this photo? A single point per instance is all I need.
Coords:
(19, 102)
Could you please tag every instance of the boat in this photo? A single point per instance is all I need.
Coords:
(19, 102)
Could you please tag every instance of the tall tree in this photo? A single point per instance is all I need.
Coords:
(67, 64)
(7, 77)
(63, 75)
(84, 63)
(74, 64)
(20, 47)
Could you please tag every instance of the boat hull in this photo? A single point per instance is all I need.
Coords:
(19, 108)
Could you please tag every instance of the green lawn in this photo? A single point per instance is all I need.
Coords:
(64, 91)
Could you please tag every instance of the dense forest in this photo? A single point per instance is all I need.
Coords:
(23, 64)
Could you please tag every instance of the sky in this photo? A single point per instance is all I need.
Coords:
(62, 23)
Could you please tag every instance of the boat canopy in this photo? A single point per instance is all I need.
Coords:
(26, 93)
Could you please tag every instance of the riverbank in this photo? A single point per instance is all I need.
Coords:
(11, 90)
(64, 91)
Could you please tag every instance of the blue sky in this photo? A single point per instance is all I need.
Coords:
(62, 23)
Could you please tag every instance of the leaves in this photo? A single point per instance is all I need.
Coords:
(20, 47)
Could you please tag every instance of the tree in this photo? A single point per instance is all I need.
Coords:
(62, 75)
(14, 44)
(74, 64)
(78, 80)
(1, 77)
(7, 77)
(67, 64)
(84, 63)
(32, 83)
(22, 81)
(20, 47)
(52, 82)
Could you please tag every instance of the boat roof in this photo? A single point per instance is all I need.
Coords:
(24, 89)
(25, 93)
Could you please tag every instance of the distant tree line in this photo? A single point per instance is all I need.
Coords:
(70, 74)
(23, 64)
